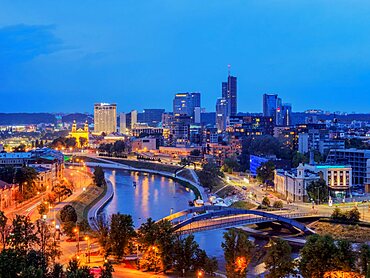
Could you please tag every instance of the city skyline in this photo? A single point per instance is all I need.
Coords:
(305, 52)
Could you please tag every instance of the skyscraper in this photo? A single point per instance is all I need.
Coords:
(105, 118)
(229, 93)
(222, 108)
(185, 104)
(270, 105)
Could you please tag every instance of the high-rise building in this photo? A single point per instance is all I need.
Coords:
(185, 104)
(229, 92)
(122, 123)
(152, 117)
(287, 114)
(133, 118)
(270, 102)
(105, 118)
(222, 109)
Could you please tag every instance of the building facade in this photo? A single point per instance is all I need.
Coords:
(105, 118)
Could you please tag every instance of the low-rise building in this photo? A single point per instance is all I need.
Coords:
(292, 184)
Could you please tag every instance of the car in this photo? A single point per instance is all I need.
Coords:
(95, 270)
(244, 187)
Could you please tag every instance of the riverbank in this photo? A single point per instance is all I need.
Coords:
(99, 203)
(123, 164)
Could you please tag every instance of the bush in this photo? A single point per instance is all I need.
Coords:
(352, 215)
(266, 202)
(278, 204)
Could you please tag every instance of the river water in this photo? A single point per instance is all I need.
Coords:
(155, 196)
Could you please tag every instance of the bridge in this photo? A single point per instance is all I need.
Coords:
(203, 218)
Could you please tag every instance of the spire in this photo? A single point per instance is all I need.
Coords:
(228, 69)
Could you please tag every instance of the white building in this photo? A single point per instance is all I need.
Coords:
(292, 184)
(105, 118)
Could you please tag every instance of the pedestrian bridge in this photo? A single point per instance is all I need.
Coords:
(203, 218)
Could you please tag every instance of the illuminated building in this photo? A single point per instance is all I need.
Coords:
(105, 118)
(80, 134)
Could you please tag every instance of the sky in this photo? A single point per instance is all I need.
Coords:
(63, 56)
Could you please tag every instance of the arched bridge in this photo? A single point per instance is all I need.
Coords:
(215, 217)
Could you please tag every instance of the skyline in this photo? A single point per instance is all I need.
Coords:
(125, 53)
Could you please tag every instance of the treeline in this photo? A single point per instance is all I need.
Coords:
(31, 250)
(26, 118)
(160, 248)
(113, 149)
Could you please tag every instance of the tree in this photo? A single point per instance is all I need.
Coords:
(318, 191)
(99, 178)
(278, 204)
(317, 256)
(195, 152)
(102, 231)
(279, 260)
(238, 251)
(353, 215)
(230, 164)
(266, 201)
(364, 259)
(26, 178)
(82, 141)
(42, 209)
(265, 173)
(121, 232)
(74, 270)
(107, 270)
(68, 214)
(210, 175)
(184, 254)
(345, 257)
(4, 229)
(22, 233)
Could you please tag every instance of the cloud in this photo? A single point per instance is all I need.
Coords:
(21, 43)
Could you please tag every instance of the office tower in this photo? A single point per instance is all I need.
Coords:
(152, 117)
(197, 115)
(133, 118)
(185, 104)
(287, 114)
(229, 93)
(105, 118)
(269, 105)
(122, 123)
(221, 114)
(181, 129)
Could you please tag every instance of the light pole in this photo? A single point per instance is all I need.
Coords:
(77, 231)
(88, 249)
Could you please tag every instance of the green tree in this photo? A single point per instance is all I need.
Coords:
(279, 260)
(107, 270)
(210, 175)
(238, 252)
(318, 191)
(74, 270)
(4, 229)
(26, 178)
(266, 201)
(22, 234)
(230, 164)
(353, 215)
(317, 256)
(184, 254)
(121, 232)
(364, 259)
(265, 173)
(102, 231)
(68, 214)
(278, 204)
(99, 178)
(345, 257)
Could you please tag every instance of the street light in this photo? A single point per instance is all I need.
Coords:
(88, 249)
(77, 231)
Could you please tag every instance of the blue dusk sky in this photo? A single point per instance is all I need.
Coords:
(62, 56)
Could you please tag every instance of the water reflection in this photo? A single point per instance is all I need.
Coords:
(154, 196)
